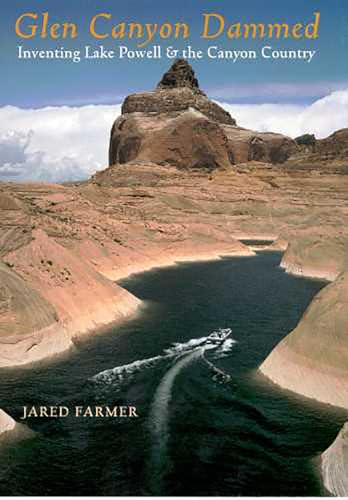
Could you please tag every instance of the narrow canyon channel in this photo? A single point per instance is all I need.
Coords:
(208, 423)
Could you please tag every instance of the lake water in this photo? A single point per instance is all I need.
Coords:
(209, 424)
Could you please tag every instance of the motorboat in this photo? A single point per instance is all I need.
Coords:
(219, 336)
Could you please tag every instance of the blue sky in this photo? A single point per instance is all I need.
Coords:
(42, 83)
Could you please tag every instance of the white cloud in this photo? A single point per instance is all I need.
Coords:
(321, 118)
(70, 143)
(55, 143)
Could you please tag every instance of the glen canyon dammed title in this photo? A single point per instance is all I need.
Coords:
(102, 26)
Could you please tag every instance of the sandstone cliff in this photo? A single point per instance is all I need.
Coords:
(334, 465)
(313, 359)
(49, 296)
(330, 153)
(177, 91)
(29, 326)
(315, 354)
(177, 124)
(316, 256)
(11, 430)
(247, 145)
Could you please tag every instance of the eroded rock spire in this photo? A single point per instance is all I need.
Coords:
(180, 74)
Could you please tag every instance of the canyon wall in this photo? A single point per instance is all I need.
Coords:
(335, 465)
(315, 354)
(11, 430)
(313, 359)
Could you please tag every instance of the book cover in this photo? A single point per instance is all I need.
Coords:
(173, 248)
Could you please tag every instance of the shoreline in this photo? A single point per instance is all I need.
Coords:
(307, 272)
(58, 337)
(60, 341)
(304, 376)
(11, 430)
(317, 378)
(129, 271)
(333, 465)
(307, 380)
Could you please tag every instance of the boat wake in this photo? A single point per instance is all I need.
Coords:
(178, 356)
(218, 340)
(158, 421)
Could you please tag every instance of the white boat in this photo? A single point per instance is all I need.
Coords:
(219, 336)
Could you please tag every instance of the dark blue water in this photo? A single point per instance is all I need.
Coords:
(208, 425)
(257, 242)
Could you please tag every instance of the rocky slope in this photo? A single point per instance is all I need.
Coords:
(329, 154)
(335, 465)
(29, 325)
(313, 359)
(11, 430)
(316, 352)
(317, 257)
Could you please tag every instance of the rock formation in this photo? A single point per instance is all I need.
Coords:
(334, 465)
(247, 145)
(65, 298)
(177, 91)
(313, 359)
(7, 423)
(29, 326)
(306, 140)
(330, 153)
(180, 75)
(316, 352)
(334, 147)
(176, 124)
(186, 140)
(316, 256)
(11, 430)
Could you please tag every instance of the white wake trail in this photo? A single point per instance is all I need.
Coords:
(123, 373)
(179, 355)
(159, 410)
(159, 417)
(120, 375)
(158, 421)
